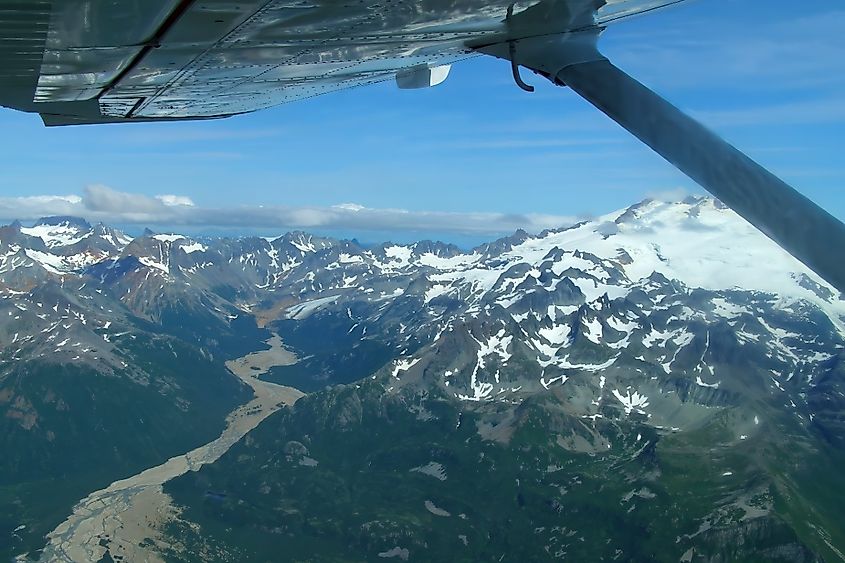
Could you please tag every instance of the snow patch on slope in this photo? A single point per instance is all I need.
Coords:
(57, 235)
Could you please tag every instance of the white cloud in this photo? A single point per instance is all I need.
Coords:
(104, 204)
(171, 200)
(33, 207)
(103, 199)
(349, 206)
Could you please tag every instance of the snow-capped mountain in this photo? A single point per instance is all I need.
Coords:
(660, 384)
(552, 296)
(664, 317)
(648, 287)
(59, 245)
(646, 290)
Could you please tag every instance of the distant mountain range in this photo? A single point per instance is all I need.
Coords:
(661, 383)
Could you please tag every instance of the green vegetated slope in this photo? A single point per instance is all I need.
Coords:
(357, 473)
(331, 351)
(68, 429)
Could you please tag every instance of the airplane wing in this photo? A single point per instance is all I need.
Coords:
(94, 61)
(99, 61)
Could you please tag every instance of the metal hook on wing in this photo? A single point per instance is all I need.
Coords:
(514, 65)
(515, 69)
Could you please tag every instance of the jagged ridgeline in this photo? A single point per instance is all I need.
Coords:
(663, 383)
(98, 382)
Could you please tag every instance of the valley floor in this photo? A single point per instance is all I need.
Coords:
(124, 519)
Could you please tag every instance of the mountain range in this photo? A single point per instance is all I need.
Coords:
(661, 383)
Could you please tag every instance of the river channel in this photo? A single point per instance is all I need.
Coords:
(126, 517)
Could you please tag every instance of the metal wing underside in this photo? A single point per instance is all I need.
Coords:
(92, 61)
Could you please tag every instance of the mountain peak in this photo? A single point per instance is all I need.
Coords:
(59, 231)
(503, 244)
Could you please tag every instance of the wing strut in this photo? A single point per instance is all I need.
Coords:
(798, 225)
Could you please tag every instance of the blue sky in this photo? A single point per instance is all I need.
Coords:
(768, 75)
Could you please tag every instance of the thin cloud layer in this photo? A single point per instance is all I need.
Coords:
(784, 55)
(107, 205)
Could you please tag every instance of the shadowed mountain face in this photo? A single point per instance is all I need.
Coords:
(92, 390)
(663, 383)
